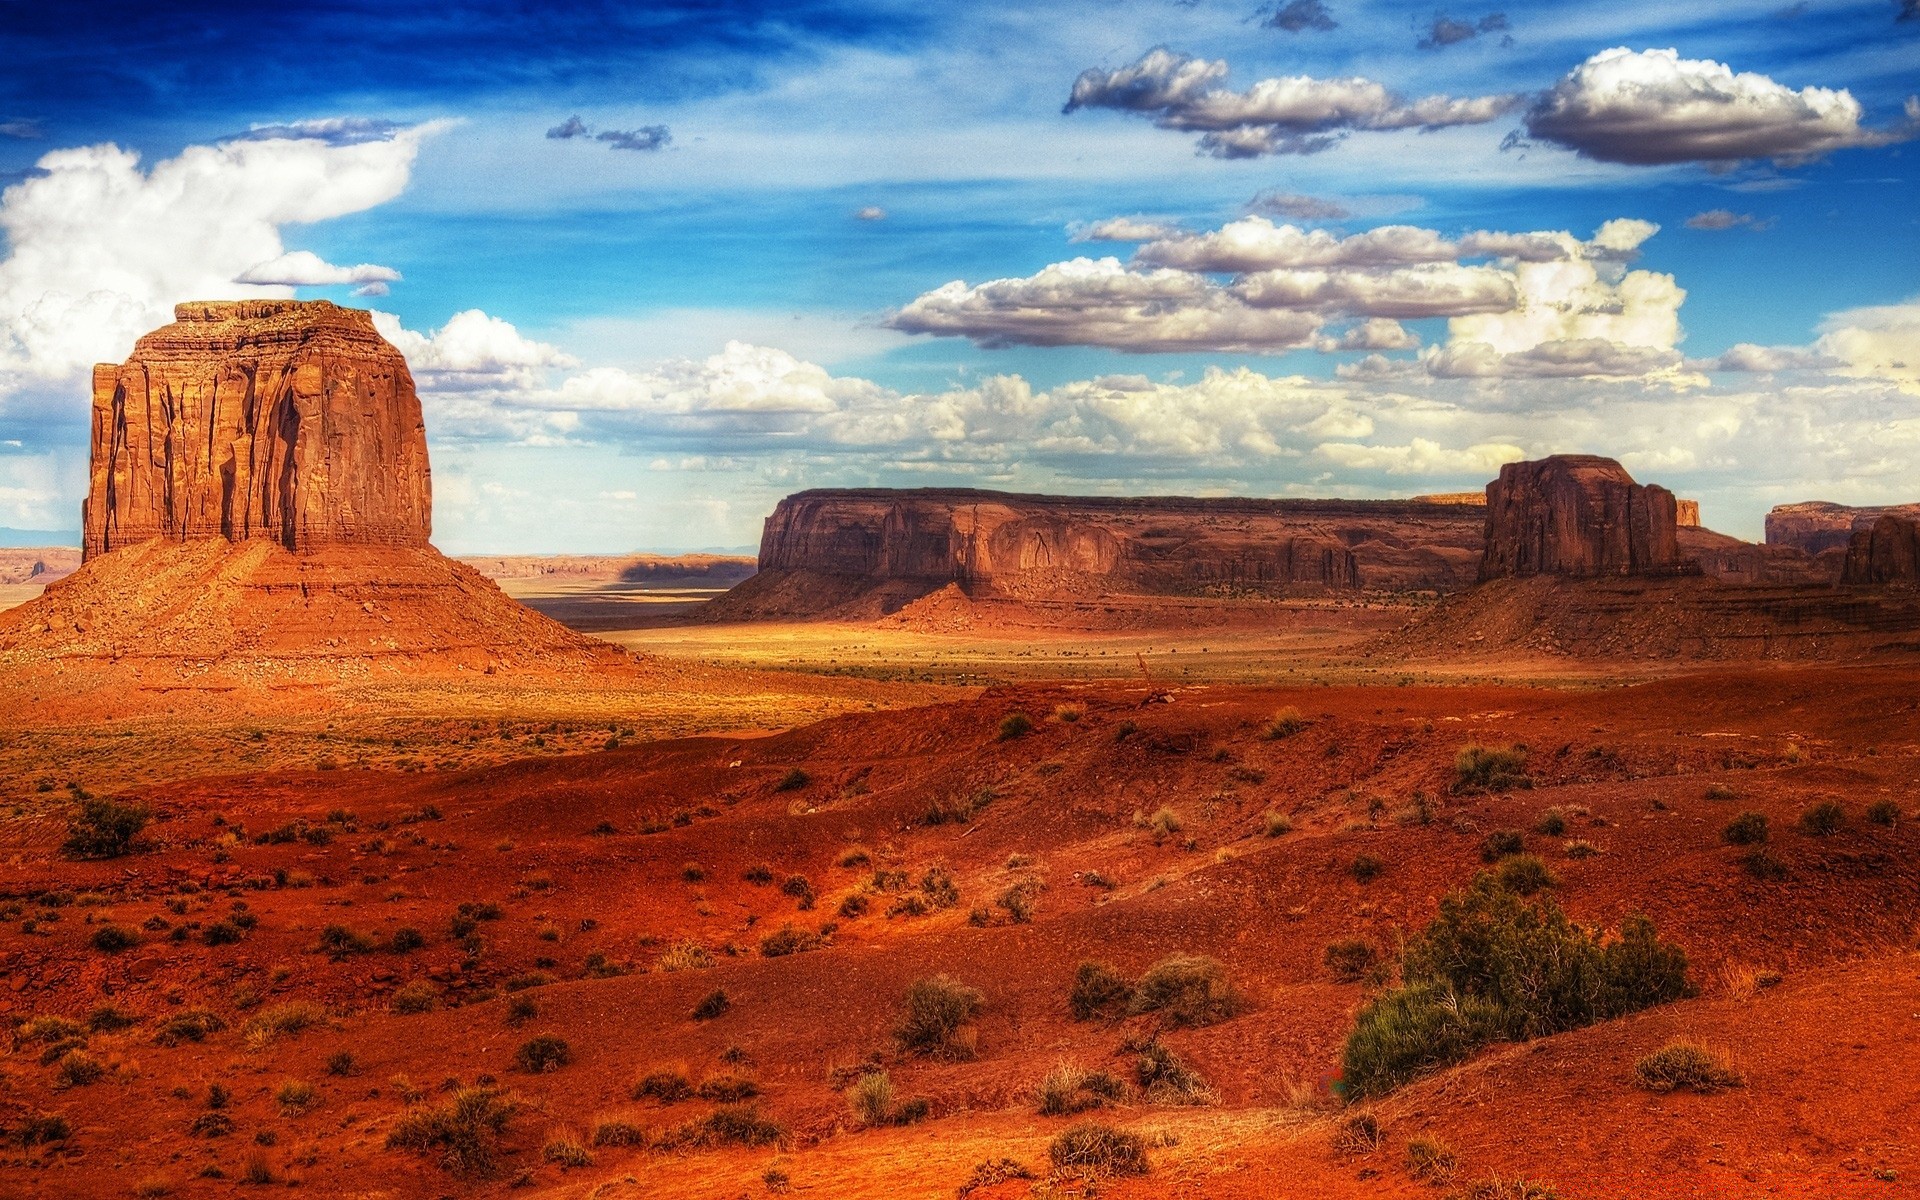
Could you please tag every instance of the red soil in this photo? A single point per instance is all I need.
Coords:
(1829, 1099)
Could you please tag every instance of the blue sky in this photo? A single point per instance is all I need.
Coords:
(803, 178)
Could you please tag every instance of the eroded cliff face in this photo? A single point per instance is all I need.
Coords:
(1818, 526)
(1578, 515)
(287, 420)
(1888, 551)
(899, 544)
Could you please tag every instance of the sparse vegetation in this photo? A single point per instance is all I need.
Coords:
(1098, 991)
(1490, 769)
(992, 1173)
(617, 1131)
(668, 1085)
(1500, 843)
(1015, 725)
(295, 1096)
(1351, 960)
(541, 1054)
(463, 1133)
(1552, 823)
(113, 938)
(1092, 1148)
(1365, 868)
(1187, 990)
(714, 1004)
(565, 1150)
(732, 1125)
(1285, 723)
(1166, 1078)
(1275, 824)
(1822, 819)
(283, 1020)
(104, 828)
(420, 996)
(1165, 823)
(727, 1089)
(1361, 1133)
(684, 956)
(789, 940)
(1689, 1065)
(1496, 966)
(1764, 865)
(1525, 874)
(1431, 1161)
(1068, 1089)
(1747, 829)
(793, 781)
(1884, 812)
(936, 1020)
(193, 1025)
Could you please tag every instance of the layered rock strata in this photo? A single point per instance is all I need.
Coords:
(1888, 551)
(1578, 515)
(1818, 526)
(287, 420)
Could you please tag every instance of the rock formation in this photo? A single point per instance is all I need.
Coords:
(1817, 526)
(1686, 514)
(1577, 515)
(1888, 551)
(879, 548)
(281, 419)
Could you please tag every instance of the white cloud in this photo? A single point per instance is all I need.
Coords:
(872, 212)
(99, 250)
(1882, 342)
(1652, 106)
(1421, 456)
(304, 268)
(1296, 114)
(472, 350)
(1125, 229)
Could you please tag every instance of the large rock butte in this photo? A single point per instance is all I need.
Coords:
(1888, 551)
(1820, 526)
(288, 420)
(871, 548)
(1578, 515)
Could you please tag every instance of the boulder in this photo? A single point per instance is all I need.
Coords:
(1888, 551)
(1578, 515)
(293, 421)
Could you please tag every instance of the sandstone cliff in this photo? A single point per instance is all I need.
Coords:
(877, 549)
(1817, 526)
(1578, 515)
(1888, 551)
(280, 419)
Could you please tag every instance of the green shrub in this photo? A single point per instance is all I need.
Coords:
(1490, 769)
(1822, 819)
(1091, 1148)
(1747, 829)
(1351, 960)
(1098, 991)
(938, 1010)
(1068, 1089)
(1500, 843)
(1187, 990)
(104, 828)
(1496, 966)
(1524, 874)
(1015, 725)
(1689, 1065)
(463, 1133)
(538, 1055)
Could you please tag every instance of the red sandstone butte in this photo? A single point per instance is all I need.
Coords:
(1818, 526)
(287, 420)
(1888, 551)
(1578, 515)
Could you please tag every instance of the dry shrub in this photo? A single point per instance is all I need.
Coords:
(463, 1133)
(1098, 991)
(1690, 1065)
(1091, 1148)
(1186, 989)
(937, 1016)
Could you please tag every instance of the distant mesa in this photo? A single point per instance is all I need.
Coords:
(292, 421)
(1578, 515)
(1817, 526)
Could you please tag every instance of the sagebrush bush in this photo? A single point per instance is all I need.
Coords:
(1822, 819)
(938, 1010)
(463, 1133)
(1187, 989)
(731, 1125)
(1690, 1065)
(1095, 1149)
(1351, 960)
(1166, 1078)
(1490, 769)
(1015, 725)
(1500, 843)
(77, 1068)
(1747, 829)
(1496, 966)
(1068, 1089)
(543, 1053)
(104, 828)
(1098, 991)
(193, 1025)
(1552, 823)
(668, 1085)
(1525, 874)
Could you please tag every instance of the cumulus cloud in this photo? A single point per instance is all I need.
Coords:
(1299, 207)
(1421, 456)
(471, 351)
(1717, 219)
(1881, 342)
(1748, 358)
(1443, 31)
(1298, 16)
(304, 268)
(1652, 107)
(1124, 229)
(568, 129)
(1296, 114)
(99, 249)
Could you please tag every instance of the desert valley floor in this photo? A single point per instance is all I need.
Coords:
(666, 923)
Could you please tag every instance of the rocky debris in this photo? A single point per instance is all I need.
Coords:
(1817, 526)
(1888, 551)
(1578, 515)
(279, 419)
(879, 549)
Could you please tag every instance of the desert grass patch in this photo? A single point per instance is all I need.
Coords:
(1495, 966)
(853, 858)
(1501, 843)
(1098, 991)
(666, 1085)
(1166, 1078)
(1747, 829)
(1187, 989)
(462, 1135)
(790, 940)
(1551, 823)
(1015, 725)
(1275, 824)
(1093, 1148)
(564, 1150)
(1687, 1064)
(542, 1054)
(618, 1131)
(1884, 812)
(1490, 769)
(1284, 724)
(1070, 1089)
(291, 1019)
(713, 1005)
(992, 1172)
(1525, 874)
(936, 1020)
(191, 1025)
(1822, 819)
(793, 780)
(1361, 1133)
(731, 1125)
(113, 938)
(1764, 865)
(76, 1068)
(295, 1097)
(1431, 1161)
(1350, 960)
(686, 955)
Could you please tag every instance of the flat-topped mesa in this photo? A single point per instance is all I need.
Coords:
(1819, 526)
(1888, 551)
(1578, 515)
(287, 420)
(893, 544)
